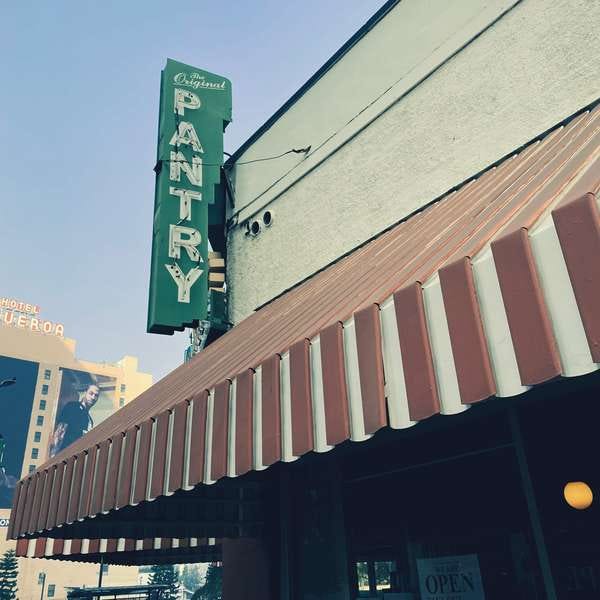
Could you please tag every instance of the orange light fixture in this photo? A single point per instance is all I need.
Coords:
(578, 495)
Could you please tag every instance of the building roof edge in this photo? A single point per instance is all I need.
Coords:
(343, 50)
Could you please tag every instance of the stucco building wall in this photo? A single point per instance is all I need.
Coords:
(523, 68)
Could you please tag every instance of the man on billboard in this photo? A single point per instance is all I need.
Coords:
(7, 482)
(17, 389)
(74, 420)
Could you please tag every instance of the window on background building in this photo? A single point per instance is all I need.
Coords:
(42, 405)
(51, 590)
(34, 452)
(47, 374)
(37, 436)
(121, 401)
(31, 468)
(40, 421)
(105, 568)
(45, 389)
(123, 388)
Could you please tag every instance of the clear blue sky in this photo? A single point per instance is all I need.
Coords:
(78, 120)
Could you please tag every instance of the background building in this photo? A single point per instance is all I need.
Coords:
(49, 376)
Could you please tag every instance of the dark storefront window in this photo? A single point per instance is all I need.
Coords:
(562, 445)
(462, 507)
(475, 507)
(445, 517)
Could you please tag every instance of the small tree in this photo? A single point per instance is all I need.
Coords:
(166, 575)
(190, 578)
(8, 576)
(213, 584)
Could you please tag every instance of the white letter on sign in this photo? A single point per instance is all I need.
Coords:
(186, 134)
(185, 201)
(188, 243)
(185, 99)
(184, 282)
(178, 163)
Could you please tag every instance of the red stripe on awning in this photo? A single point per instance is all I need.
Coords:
(76, 488)
(37, 501)
(271, 411)
(143, 460)
(469, 347)
(43, 513)
(87, 484)
(423, 400)
(175, 481)
(100, 478)
(22, 547)
(527, 315)
(334, 384)
(578, 227)
(160, 451)
(40, 548)
(244, 399)
(198, 437)
(58, 546)
(63, 505)
(220, 431)
(110, 494)
(126, 476)
(55, 496)
(370, 367)
(76, 546)
(301, 398)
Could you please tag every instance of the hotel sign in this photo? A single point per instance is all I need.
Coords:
(195, 108)
(16, 313)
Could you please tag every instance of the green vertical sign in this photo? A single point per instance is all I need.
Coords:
(195, 108)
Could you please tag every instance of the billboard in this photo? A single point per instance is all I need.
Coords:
(195, 107)
(85, 399)
(16, 402)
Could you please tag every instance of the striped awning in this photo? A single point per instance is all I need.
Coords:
(122, 551)
(486, 292)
